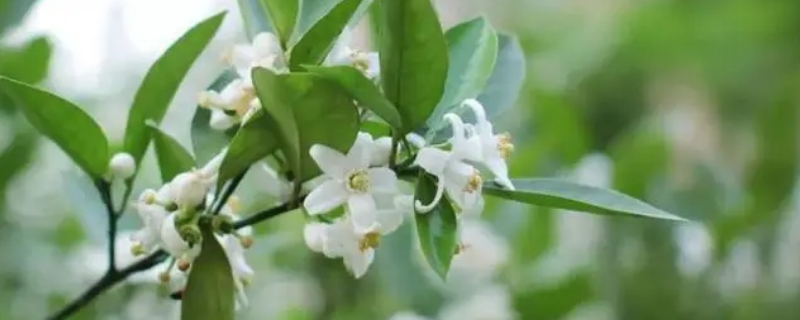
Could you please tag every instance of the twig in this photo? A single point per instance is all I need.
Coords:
(104, 187)
(229, 188)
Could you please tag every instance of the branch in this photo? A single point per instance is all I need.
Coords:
(104, 188)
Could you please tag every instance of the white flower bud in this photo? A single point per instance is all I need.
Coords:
(188, 189)
(122, 165)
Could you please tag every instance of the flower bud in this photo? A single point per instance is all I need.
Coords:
(183, 264)
(246, 241)
(188, 189)
(191, 234)
(122, 165)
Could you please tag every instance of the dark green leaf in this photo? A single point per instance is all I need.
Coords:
(306, 109)
(362, 90)
(254, 141)
(503, 87)
(577, 197)
(413, 53)
(473, 51)
(436, 229)
(209, 290)
(66, 124)
(162, 81)
(315, 44)
(282, 14)
(255, 17)
(172, 157)
(207, 142)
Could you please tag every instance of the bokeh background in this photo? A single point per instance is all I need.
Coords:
(690, 105)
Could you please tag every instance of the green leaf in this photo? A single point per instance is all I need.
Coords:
(503, 87)
(254, 141)
(282, 14)
(315, 44)
(162, 81)
(254, 17)
(361, 89)
(209, 290)
(576, 197)
(207, 142)
(172, 157)
(66, 124)
(473, 51)
(29, 63)
(306, 109)
(413, 53)
(436, 229)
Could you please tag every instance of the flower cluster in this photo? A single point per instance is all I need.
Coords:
(170, 218)
(362, 182)
(237, 101)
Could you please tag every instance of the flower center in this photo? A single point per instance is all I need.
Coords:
(474, 181)
(359, 61)
(370, 240)
(358, 181)
(504, 145)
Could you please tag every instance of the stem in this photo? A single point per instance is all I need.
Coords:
(393, 153)
(229, 189)
(114, 276)
(104, 187)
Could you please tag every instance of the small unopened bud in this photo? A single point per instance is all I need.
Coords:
(191, 234)
(246, 241)
(122, 165)
(189, 189)
(164, 277)
(183, 264)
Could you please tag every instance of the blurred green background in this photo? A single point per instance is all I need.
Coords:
(690, 105)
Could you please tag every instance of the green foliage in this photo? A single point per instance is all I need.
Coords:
(64, 123)
(572, 196)
(172, 157)
(413, 54)
(28, 63)
(315, 44)
(253, 142)
(362, 90)
(162, 81)
(255, 17)
(282, 14)
(436, 230)
(210, 290)
(472, 51)
(304, 110)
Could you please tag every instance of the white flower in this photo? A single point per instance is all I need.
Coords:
(174, 244)
(481, 253)
(342, 54)
(379, 150)
(416, 140)
(356, 248)
(265, 51)
(242, 272)
(122, 166)
(229, 106)
(352, 182)
(495, 148)
(461, 180)
(189, 189)
(149, 236)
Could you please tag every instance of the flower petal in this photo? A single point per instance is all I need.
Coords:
(390, 220)
(381, 151)
(362, 212)
(329, 160)
(432, 160)
(325, 197)
(266, 43)
(358, 262)
(314, 235)
(220, 121)
(382, 180)
(171, 238)
(359, 155)
(499, 169)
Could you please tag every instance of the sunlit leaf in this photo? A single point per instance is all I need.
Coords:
(436, 229)
(64, 123)
(210, 290)
(161, 83)
(172, 157)
(315, 44)
(361, 89)
(413, 53)
(576, 197)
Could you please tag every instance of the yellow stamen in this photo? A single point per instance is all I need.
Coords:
(358, 181)
(474, 181)
(137, 249)
(504, 145)
(227, 56)
(370, 240)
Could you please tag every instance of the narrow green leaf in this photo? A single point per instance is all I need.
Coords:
(472, 47)
(413, 53)
(315, 44)
(576, 197)
(306, 109)
(66, 124)
(254, 141)
(209, 290)
(436, 229)
(503, 87)
(254, 17)
(28, 63)
(282, 14)
(207, 142)
(362, 90)
(162, 81)
(172, 157)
